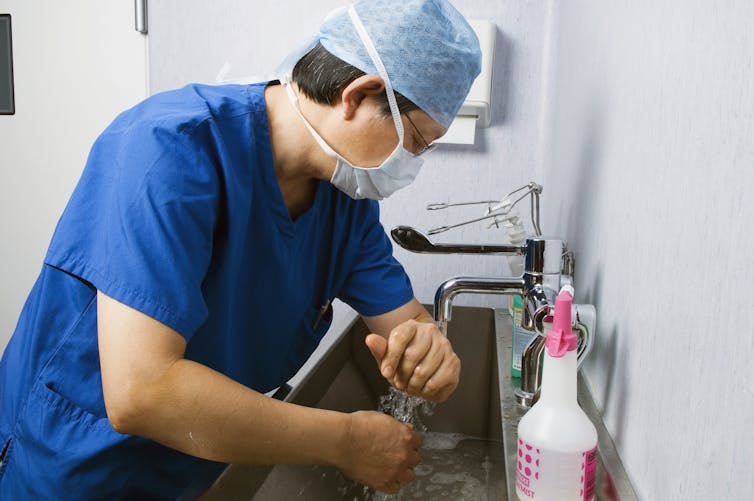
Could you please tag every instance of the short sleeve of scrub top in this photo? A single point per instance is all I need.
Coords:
(145, 223)
(376, 283)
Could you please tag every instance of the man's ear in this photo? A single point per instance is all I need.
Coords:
(354, 93)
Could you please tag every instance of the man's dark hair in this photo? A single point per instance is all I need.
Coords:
(322, 76)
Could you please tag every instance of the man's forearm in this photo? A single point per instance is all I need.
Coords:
(200, 412)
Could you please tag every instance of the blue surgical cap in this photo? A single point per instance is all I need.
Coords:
(430, 52)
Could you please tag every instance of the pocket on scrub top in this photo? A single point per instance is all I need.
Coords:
(75, 449)
(73, 371)
(316, 323)
(62, 422)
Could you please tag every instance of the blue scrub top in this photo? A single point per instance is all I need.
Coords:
(178, 214)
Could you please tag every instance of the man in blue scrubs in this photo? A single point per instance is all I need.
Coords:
(193, 268)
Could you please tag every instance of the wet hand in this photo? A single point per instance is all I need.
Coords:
(380, 451)
(417, 358)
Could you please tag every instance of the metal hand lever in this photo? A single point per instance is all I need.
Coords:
(413, 240)
(495, 208)
(442, 229)
(445, 205)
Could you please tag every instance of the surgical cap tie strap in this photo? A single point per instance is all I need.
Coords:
(364, 35)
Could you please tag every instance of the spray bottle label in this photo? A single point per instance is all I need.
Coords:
(546, 474)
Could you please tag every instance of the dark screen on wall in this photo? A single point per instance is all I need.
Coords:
(7, 106)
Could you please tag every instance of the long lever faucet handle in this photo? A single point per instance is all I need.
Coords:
(414, 241)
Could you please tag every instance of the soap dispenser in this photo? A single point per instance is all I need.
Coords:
(557, 443)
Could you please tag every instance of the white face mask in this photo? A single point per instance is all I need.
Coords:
(396, 172)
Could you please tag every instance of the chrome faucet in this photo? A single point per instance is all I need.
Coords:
(547, 263)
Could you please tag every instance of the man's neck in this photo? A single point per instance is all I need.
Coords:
(299, 161)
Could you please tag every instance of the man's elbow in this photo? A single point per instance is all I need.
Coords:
(127, 411)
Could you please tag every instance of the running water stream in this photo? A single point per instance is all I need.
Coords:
(454, 466)
(406, 409)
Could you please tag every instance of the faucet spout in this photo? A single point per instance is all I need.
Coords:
(472, 285)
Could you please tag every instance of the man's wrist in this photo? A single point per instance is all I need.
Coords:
(342, 427)
(424, 318)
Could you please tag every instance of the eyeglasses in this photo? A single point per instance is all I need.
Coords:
(427, 147)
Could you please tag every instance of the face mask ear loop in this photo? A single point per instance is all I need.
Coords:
(361, 30)
(285, 80)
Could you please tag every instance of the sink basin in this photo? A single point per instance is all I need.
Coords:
(463, 453)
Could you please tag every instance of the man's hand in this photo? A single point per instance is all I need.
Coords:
(418, 359)
(380, 451)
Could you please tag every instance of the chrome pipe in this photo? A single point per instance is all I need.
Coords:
(471, 285)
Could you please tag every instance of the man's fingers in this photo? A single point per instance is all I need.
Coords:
(429, 365)
(416, 441)
(416, 353)
(444, 393)
(417, 359)
(413, 459)
(439, 387)
(407, 477)
(377, 345)
(400, 337)
(422, 374)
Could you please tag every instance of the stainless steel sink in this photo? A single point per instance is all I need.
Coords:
(346, 379)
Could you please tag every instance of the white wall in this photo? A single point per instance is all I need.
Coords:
(651, 158)
(76, 65)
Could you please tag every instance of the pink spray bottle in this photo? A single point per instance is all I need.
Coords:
(557, 444)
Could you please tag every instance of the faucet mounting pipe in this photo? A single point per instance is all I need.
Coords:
(472, 285)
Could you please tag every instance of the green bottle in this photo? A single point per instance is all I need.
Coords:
(521, 337)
